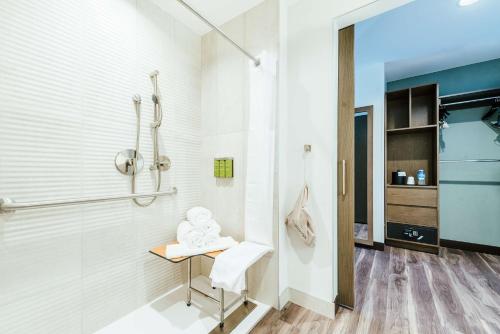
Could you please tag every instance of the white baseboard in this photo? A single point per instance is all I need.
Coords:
(312, 303)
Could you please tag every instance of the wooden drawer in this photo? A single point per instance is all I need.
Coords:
(412, 196)
(414, 215)
(412, 233)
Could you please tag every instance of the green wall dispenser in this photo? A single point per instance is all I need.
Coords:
(223, 167)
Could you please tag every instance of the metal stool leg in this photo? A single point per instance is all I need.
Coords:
(245, 292)
(221, 305)
(188, 299)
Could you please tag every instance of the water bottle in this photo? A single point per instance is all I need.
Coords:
(421, 177)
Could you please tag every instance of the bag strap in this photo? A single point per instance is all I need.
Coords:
(304, 197)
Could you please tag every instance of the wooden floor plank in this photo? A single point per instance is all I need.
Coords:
(403, 291)
(425, 313)
(397, 299)
(448, 306)
(489, 274)
(493, 261)
(475, 297)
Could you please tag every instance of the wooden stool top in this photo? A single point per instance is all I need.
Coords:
(161, 251)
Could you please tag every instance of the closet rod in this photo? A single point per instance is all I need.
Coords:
(471, 160)
(7, 205)
(475, 99)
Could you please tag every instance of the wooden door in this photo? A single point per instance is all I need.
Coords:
(345, 149)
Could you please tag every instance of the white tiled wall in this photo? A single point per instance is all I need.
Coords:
(225, 124)
(68, 70)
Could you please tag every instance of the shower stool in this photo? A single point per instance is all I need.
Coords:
(161, 251)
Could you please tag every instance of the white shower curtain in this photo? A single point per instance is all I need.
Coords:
(259, 183)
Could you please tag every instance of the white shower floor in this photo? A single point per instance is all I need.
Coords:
(169, 314)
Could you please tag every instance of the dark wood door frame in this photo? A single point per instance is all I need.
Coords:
(345, 151)
(369, 177)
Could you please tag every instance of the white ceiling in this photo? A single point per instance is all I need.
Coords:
(216, 11)
(426, 36)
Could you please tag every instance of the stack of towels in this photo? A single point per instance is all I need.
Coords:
(199, 234)
(200, 229)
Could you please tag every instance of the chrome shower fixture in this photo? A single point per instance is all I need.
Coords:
(130, 162)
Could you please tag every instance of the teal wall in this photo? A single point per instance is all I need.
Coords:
(469, 192)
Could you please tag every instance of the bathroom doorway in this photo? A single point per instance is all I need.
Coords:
(363, 175)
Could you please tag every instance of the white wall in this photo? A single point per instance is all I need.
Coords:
(370, 90)
(68, 70)
(225, 87)
(310, 110)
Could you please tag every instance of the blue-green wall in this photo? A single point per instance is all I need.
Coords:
(469, 192)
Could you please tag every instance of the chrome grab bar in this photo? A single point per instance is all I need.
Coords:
(7, 205)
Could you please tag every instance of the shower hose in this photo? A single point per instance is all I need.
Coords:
(158, 116)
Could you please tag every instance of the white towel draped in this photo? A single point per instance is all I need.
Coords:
(228, 271)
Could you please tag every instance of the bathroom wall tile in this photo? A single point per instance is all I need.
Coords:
(75, 65)
(230, 192)
(112, 292)
(208, 184)
(109, 237)
(38, 252)
(56, 309)
(209, 84)
(231, 80)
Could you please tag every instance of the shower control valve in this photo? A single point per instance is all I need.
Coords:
(163, 164)
(127, 163)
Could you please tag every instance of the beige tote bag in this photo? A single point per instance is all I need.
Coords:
(300, 218)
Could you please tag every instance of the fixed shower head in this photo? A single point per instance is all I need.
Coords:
(137, 98)
(154, 74)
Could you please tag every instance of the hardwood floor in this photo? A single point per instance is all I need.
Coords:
(403, 291)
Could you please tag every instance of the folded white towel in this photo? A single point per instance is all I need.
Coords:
(228, 271)
(198, 215)
(181, 250)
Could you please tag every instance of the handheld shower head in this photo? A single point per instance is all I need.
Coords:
(154, 74)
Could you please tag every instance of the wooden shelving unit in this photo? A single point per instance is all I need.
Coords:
(412, 139)
(410, 187)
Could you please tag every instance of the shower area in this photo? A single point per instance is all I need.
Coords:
(112, 114)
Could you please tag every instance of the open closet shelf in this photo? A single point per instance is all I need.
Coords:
(411, 187)
(412, 129)
(412, 108)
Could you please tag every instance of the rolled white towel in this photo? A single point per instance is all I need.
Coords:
(195, 239)
(208, 226)
(211, 238)
(198, 214)
(183, 230)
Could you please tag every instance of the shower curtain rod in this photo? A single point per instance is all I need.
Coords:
(7, 205)
(255, 60)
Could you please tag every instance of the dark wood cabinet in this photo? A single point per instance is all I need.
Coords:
(411, 144)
